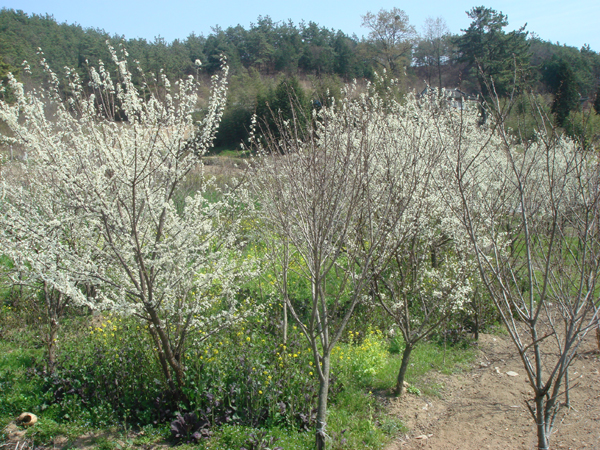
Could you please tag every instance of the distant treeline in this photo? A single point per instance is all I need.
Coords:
(271, 60)
(268, 46)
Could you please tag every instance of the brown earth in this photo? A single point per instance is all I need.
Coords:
(485, 408)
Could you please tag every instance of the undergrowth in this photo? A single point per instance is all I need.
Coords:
(254, 391)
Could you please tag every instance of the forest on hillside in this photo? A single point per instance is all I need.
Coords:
(270, 60)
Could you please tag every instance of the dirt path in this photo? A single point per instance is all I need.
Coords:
(485, 407)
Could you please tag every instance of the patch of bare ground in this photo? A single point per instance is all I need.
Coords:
(223, 166)
(17, 440)
(485, 408)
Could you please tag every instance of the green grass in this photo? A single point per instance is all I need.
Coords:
(20, 390)
(358, 420)
(230, 152)
(426, 356)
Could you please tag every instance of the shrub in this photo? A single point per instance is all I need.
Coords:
(249, 377)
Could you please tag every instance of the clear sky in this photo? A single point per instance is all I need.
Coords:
(572, 23)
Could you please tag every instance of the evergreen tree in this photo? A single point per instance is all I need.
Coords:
(493, 55)
(560, 78)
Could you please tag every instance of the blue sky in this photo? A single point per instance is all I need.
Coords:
(573, 23)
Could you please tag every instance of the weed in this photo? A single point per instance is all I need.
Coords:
(413, 390)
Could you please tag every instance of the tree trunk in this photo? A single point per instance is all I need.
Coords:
(51, 342)
(405, 358)
(161, 358)
(477, 313)
(285, 321)
(322, 406)
(541, 423)
(285, 302)
(54, 308)
(567, 389)
(167, 350)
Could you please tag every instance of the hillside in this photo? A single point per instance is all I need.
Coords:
(271, 60)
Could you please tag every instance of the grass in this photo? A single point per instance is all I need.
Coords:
(426, 356)
(359, 421)
(20, 391)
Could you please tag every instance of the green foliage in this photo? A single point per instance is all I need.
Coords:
(230, 437)
(524, 116)
(5, 69)
(267, 46)
(356, 419)
(248, 377)
(244, 381)
(268, 52)
(286, 102)
(100, 372)
(396, 344)
(597, 101)
(234, 127)
(584, 127)
(20, 313)
(20, 391)
(561, 80)
(272, 100)
(361, 358)
(493, 55)
(326, 88)
(584, 64)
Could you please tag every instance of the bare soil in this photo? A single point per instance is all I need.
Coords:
(485, 408)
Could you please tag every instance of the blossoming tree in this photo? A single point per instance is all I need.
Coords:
(44, 242)
(532, 212)
(426, 277)
(111, 158)
(332, 199)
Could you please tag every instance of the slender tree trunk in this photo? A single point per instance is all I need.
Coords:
(161, 358)
(541, 423)
(434, 259)
(167, 350)
(477, 313)
(405, 358)
(285, 321)
(322, 406)
(53, 312)
(285, 294)
(567, 389)
(51, 342)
